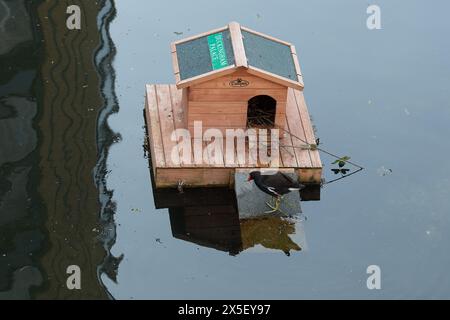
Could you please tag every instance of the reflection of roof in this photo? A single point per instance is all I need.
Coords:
(222, 51)
(208, 226)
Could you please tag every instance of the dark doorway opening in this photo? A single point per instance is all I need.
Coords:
(261, 112)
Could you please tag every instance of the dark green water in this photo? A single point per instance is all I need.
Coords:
(75, 186)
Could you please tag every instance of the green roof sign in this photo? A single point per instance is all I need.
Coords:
(217, 51)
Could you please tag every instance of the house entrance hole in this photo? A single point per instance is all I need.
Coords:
(261, 112)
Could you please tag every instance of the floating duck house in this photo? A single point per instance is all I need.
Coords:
(230, 78)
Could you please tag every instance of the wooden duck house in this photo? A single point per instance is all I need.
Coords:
(230, 78)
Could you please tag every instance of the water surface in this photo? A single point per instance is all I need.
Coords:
(75, 186)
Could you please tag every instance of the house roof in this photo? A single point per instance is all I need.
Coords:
(222, 51)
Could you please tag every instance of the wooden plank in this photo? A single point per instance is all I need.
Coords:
(266, 36)
(194, 143)
(296, 130)
(317, 176)
(233, 151)
(177, 78)
(176, 66)
(254, 150)
(150, 139)
(225, 82)
(214, 160)
(220, 155)
(297, 65)
(206, 77)
(179, 103)
(154, 129)
(167, 125)
(201, 35)
(310, 175)
(258, 147)
(287, 151)
(221, 128)
(274, 147)
(229, 151)
(241, 156)
(307, 127)
(209, 160)
(275, 78)
(193, 177)
(280, 120)
(234, 95)
(245, 154)
(281, 106)
(315, 158)
(281, 114)
(212, 120)
(304, 116)
(238, 45)
(218, 177)
(252, 155)
(206, 159)
(225, 150)
(200, 107)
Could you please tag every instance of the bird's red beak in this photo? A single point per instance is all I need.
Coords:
(249, 178)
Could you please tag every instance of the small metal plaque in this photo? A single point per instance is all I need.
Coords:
(239, 83)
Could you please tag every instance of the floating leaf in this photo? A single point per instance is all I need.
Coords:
(336, 171)
(384, 172)
(343, 159)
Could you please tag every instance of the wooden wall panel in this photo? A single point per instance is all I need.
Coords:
(235, 94)
(221, 128)
(193, 177)
(254, 82)
(214, 120)
(196, 107)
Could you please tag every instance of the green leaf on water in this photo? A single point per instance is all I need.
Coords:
(342, 160)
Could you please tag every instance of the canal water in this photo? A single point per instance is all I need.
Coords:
(75, 184)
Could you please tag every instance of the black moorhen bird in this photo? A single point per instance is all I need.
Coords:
(277, 185)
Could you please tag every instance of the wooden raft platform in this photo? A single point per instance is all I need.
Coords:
(164, 112)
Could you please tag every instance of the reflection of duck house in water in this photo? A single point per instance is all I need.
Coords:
(209, 218)
(230, 78)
